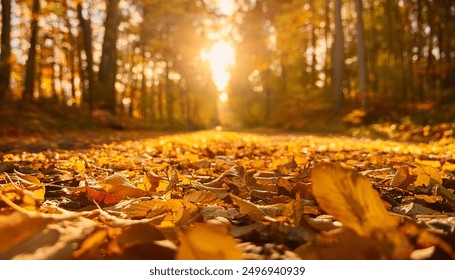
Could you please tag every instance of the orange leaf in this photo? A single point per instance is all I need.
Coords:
(114, 189)
(207, 242)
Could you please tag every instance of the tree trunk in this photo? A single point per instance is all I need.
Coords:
(361, 53)
(31, 61)
(5, 55)
(108, 68)
(144, 89)
(161, 92)
(71, 55)
(87, 38)
(338, 58)
(169, 96)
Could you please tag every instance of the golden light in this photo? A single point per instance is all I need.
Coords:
(224, 97)
(227, 7)
(220, 57)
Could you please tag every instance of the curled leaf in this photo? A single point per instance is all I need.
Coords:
(349, 198)
(258, 212)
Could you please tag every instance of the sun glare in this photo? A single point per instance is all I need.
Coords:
(220, 57)
(224, 97)
(227, 7)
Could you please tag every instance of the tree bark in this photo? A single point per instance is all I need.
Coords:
(361, 53)
(108, 67)
(31, 61)
(87, 38)
(169, 96)
(338, 58)
(71, 54)
(5, 55)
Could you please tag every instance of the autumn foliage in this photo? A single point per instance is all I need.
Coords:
(223, 195)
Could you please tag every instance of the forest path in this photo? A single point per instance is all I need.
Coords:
(269, 190)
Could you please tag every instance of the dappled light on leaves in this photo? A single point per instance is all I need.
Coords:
(207, 242)
(227, 195)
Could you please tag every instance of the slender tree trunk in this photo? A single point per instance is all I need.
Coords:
(143, 40)
(314, 62)
(338, 58)
(267, 96)
(419, 42)
(449, 42)
(31, 61)
(431, 77)
(183, 101)
(361, 53)
(144, 88)
(90, 75)
(161, 92)
(5, 55)
(71, 54)
(81, 72)
(152, 103)
(170, 96)
(108, 65)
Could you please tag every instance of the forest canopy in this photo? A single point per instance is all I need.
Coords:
(199, 63)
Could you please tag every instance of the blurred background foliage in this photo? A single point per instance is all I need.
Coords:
(297, 64)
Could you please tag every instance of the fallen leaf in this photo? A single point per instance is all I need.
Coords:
(344, 244)
(350, 198)
(207, 242)
(35, 237)
(412, 209)
(112, 190)
(427, 176)
(257, 212)
(402, 179)
(201, 197)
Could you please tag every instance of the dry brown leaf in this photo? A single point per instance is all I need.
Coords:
(344, 244)
(202, 197)
(142, 209)
(144, 241)
(36, 237)
(412, 209)
(402, 178)
(207, 242)
(257, 212)
(350, 198)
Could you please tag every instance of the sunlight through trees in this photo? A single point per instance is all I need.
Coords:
(165, 63)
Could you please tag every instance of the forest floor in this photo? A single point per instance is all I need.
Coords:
(225, 195)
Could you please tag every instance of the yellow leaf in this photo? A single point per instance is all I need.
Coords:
(448, 166)
(207, 242)
(183, 180)
(31, 185)
(118, 180)
(433, 163)
(145, 186)
(258, 212)
(427, 176)
(349, 198)
(163, 186)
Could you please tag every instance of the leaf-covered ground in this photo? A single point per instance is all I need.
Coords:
(225, 195)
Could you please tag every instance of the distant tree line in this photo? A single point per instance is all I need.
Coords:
(298, 56)
(293, 57)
